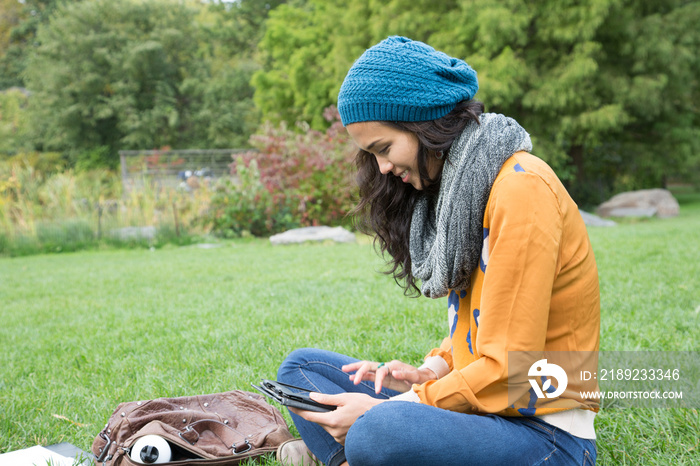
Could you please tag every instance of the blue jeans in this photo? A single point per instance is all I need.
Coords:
(405, 433)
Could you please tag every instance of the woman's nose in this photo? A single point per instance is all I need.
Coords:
(384, 166)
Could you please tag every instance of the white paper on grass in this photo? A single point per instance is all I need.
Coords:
(34, 456)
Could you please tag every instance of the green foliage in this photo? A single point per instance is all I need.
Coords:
(14, 121)
(655, 70)
(135, 75)
(131, 75)
(307, 49)
(295, 178)
(108, 74)
(46, 163)
(608, 89)
(223, 114)
(20, 20)
(245, 207)
(237, 27)
(93, 158)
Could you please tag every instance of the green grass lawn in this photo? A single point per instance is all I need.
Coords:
(82, 332)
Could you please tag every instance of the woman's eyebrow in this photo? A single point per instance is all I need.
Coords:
(369, 148)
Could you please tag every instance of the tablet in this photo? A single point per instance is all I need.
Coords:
(291, 396)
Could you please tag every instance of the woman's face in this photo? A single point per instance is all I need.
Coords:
(396, 151)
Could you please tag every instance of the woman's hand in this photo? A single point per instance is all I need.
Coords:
(338, 422)
(395, 375)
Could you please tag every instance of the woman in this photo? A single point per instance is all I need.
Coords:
(458, 203)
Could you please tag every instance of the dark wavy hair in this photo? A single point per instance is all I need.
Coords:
(386, 203)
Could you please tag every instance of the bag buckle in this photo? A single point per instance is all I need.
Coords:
(242, 448)
(104, 450)
(189, 435)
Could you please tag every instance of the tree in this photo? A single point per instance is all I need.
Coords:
(132, 75)
(305, 52)
(226, 115)
(540, 63)
(608, 89)
(650, 56)
(238, 26)
(20, 20)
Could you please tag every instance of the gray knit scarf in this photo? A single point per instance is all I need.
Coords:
(447, 234)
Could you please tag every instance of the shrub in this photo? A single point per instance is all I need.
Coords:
(245, 206)
(296, 177)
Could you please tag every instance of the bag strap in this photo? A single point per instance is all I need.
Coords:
(236, 441)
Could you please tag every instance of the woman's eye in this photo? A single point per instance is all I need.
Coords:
(383, 150)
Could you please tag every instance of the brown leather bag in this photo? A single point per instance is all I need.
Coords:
(218, 429)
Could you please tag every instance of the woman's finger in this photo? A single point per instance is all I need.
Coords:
(364, 372)
(352, 367)
(384, 374)
(380, 374)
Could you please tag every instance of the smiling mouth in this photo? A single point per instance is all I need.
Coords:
(404, 176)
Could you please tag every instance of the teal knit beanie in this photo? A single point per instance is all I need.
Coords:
(400, 79)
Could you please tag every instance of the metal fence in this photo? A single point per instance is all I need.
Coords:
(185, 169)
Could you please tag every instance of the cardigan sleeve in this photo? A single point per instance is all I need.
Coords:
(525, 230)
